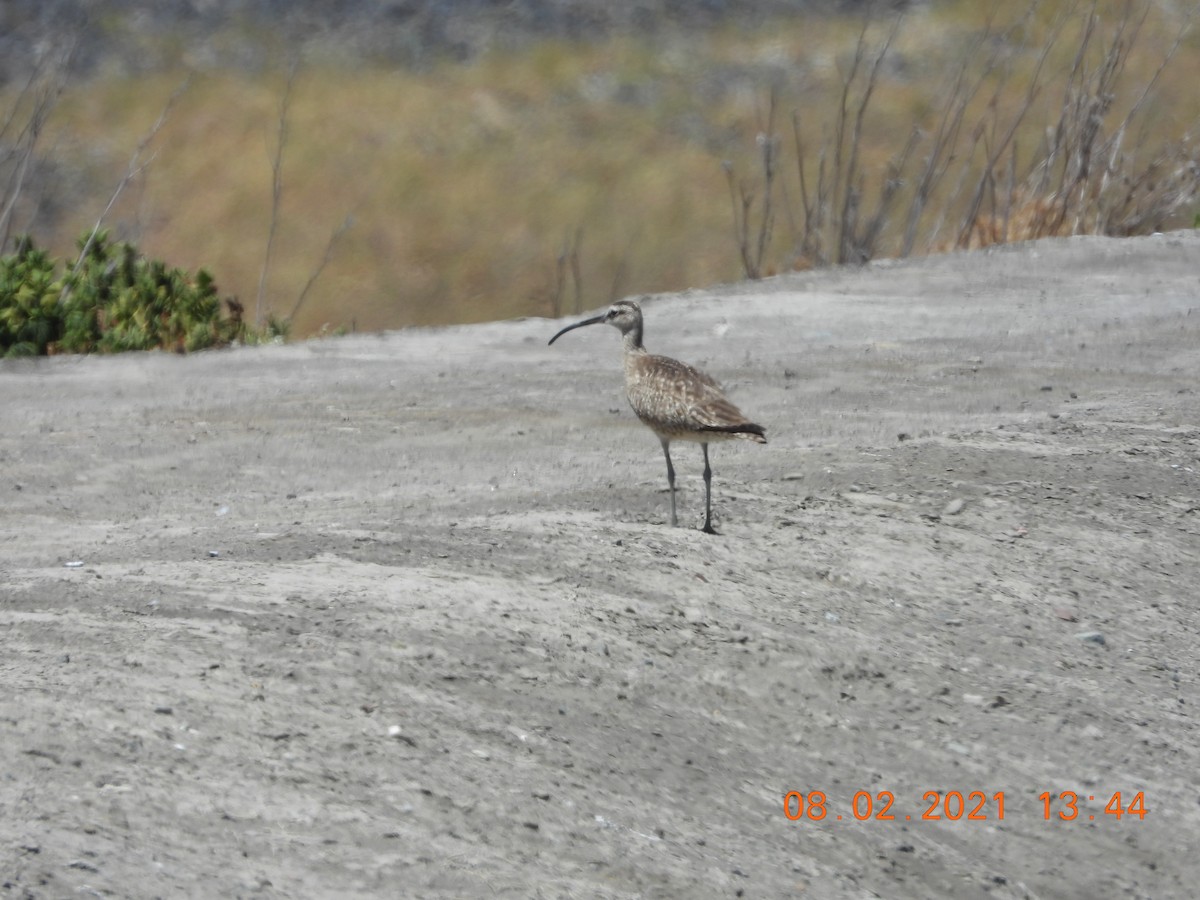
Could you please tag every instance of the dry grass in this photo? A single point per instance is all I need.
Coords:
(471, 192)
(1065, 118)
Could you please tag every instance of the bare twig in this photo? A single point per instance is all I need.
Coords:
(997, 148)
(137, 165)
(805, 248)
(1113, 149)
(568, 259)
(560, 284)
(741, 200)
(276, 187)
(767, 144)
(38, 96)
(841, 186)
(753, 250)
(954, 105)
(577, 269)
(812, 249)
(334, 236)
(867, 242)
(849, 244)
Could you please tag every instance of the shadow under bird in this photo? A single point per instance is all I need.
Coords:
(674, 400)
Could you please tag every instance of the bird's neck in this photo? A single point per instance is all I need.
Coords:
(631, 340)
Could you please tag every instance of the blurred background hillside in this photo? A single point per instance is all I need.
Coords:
(373, 165)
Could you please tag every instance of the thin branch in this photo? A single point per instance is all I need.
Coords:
(577, 270)
(276, 188)
(1112, 151)
(847, 245)
(335, 236)
(998, 148)
(954, 105)
(568, 258)
(44, 89)
(560, 280)
(841, 177)
(136, 166)
(767, 221)
(739, 227)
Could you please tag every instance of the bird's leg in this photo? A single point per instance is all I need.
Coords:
(707, 529)
(666, 445)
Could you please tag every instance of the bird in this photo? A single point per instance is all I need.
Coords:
(674, 400)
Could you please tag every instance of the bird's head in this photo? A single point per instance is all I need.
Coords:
(624, 315)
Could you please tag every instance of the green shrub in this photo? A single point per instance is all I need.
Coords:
(113, 299)
(29, 312)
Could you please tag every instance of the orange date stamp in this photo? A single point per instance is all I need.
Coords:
(966, 806)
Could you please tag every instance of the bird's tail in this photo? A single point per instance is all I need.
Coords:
(747, 430)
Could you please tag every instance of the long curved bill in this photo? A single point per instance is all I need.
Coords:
(595, 320)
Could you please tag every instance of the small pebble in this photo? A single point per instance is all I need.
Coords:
(1091, 637)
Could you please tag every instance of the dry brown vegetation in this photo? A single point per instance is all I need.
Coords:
(1042, 125)
(536, 182)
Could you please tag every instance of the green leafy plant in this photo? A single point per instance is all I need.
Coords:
(112, 300)
(30, 317)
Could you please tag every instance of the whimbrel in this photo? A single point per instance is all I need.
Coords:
(674, 400)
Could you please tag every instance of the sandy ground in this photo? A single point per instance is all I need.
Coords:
(399, 615)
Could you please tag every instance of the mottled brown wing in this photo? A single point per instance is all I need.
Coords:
(675, 399)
